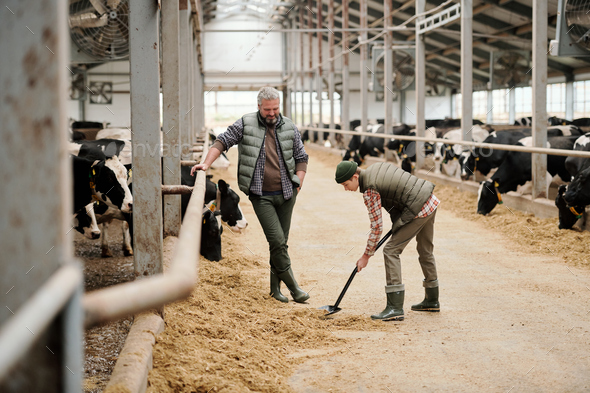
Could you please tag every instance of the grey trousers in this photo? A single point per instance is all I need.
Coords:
(274, 214)
(423, 230)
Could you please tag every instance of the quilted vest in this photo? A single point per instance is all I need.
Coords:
(398, 189)
(251, 144)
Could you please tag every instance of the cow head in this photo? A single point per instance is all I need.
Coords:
(111, 187)
(568, 216)
(230, 207)
(210, 236)
(487, 197)
(352, 155)
(85, 222)
(578, 191)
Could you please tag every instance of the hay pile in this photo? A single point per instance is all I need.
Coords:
(531, 234)
(230, 336)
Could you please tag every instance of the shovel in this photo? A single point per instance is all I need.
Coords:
(334, 309)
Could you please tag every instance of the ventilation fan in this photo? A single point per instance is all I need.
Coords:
(101, 92)
(100, 28)
(435, 83)
(402, 70)
(573, 29)
(510, 69)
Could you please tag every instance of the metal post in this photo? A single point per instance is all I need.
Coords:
(36, 239)
(319, 81)
(310, 36)
(171, 115)
(363, 67)
(511, 106)
(192, 79)
(420, 87)
(345, 98)
(302, 63)
(569, 100)
(293, 73)
(466, 67)
(539, 161)
(490, 91)
(183, 89)
(198, 96)
(331, 39)
(145, 123)
(286, 77)
(388, 69)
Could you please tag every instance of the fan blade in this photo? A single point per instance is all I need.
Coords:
(87, 20)
(99, 6)
(406, 71)
(114, 4)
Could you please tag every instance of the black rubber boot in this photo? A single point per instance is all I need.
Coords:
(394, 311)
(298, 294)
(275, 287)
(430, 302)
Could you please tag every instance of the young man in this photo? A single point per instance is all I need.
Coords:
(271, 168)
(412, 207)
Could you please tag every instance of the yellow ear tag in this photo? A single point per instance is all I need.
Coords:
(203, 221)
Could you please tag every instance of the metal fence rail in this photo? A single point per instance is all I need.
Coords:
(525, 149)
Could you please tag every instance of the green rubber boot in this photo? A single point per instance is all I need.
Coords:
(394, 311)
(430, 302)
(275, 287)
(297, 293)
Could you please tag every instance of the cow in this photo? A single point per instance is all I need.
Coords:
(372, 146)
(581, 122)
(406, 150)
(226, 200)
(524, 121)
(515, 171)
(211, 231)
(447, 157)
(485, 159)
(556, 121)
(96, 180)
(572, 208)
(85, 222)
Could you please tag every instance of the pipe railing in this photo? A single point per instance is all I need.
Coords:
(525, 149)
(17, 335)
(148, 293)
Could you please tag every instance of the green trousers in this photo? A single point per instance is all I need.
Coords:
(274, 214)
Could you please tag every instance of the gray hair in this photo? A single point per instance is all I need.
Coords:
(268, 93)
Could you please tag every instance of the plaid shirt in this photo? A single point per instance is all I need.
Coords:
(373, 202)
(234, 135)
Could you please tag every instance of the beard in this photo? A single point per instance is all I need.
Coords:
(271, 121)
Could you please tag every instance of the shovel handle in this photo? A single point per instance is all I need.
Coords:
(383, 240)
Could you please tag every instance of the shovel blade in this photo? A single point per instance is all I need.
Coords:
(329, 310)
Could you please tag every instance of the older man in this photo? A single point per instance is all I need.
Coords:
(271, 168)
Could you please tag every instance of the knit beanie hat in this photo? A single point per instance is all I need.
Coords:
(345, 170)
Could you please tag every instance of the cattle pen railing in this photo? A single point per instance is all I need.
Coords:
(524, 149)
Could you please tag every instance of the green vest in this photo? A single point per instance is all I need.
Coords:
(251, 144)
(402, 194)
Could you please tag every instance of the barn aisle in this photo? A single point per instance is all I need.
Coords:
(508, 319)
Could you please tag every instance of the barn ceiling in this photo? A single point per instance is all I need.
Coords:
(498, 25)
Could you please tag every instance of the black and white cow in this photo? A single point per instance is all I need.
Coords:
(484, 159)
(372, 146)
(571, 209)
(524, 121)
(581, 122)
(406, 150)
(211, 231)
(85, 222)
(515, 171)
(448, 158)
(227, 201)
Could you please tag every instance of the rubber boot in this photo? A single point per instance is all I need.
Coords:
(430, 302)
(275, 287)
(394, 311)
(297, 293)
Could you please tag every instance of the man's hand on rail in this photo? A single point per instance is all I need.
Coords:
(199, 167)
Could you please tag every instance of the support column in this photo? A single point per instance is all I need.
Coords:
(36, 195)
(144, 58)
(363, 68)
(420, 87)
(302, 64)
(171, 115)
(512, 106)
(319, 82)
(332, 70)
(286, 76)
(490, 97)
(388, 69)
(539, 161)
(293, 75)
(183, 89)
(191, 83)
(467, 68)
(310, 36)
(569, 100)
(345, 98)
